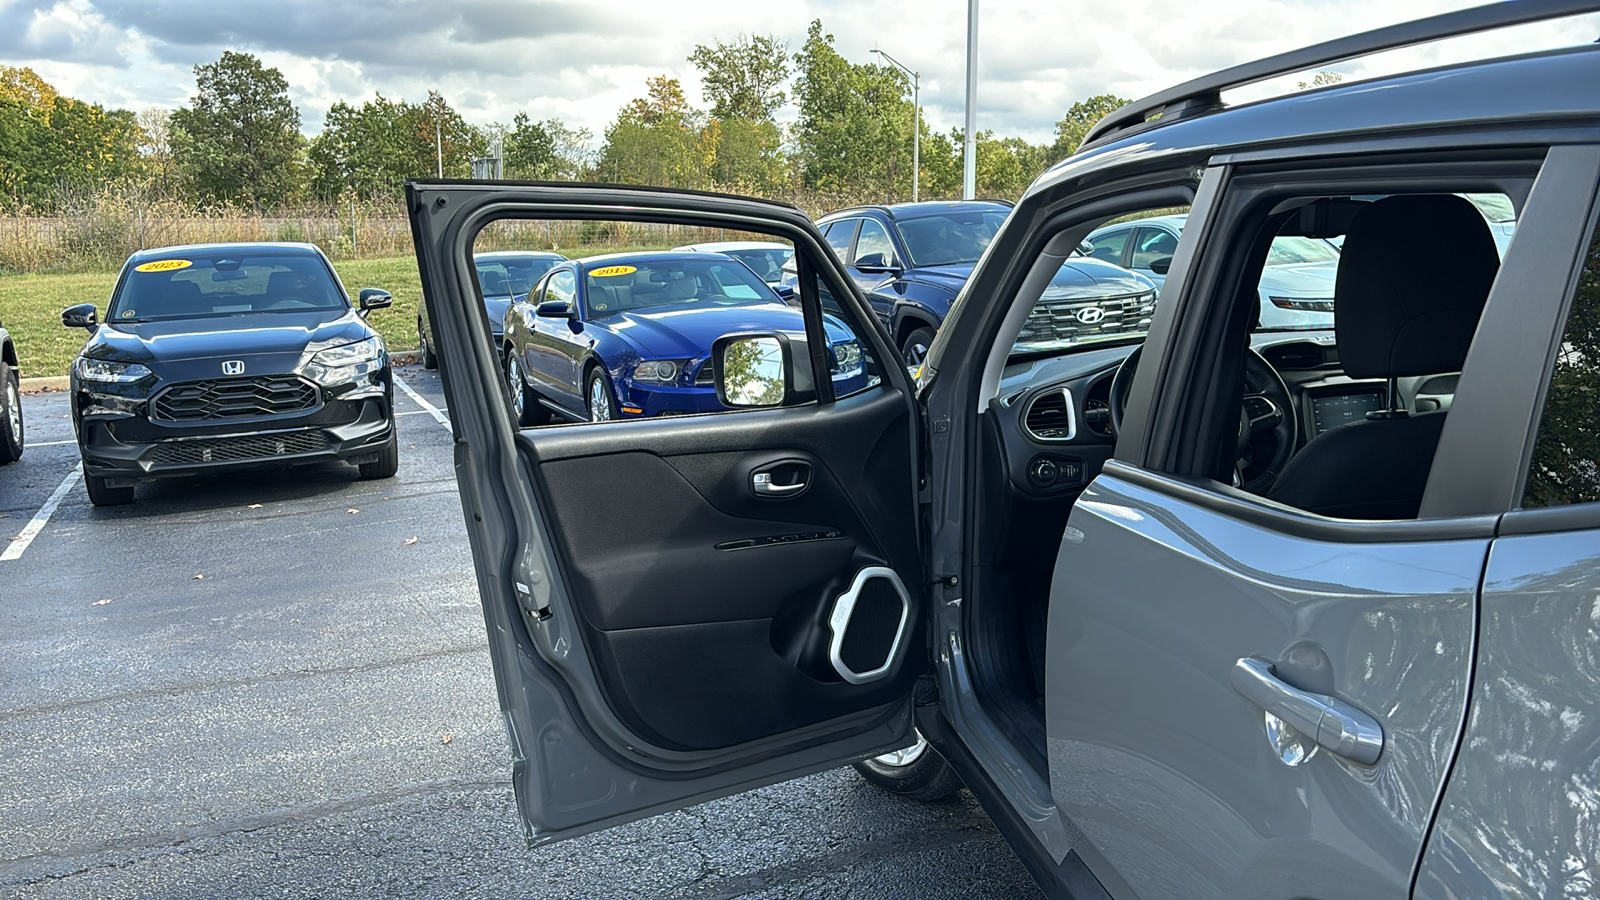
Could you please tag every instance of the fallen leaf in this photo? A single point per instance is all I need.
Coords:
(198, 577)
(101, 602)
(5, 515)
(447, 738)
(352, 510)
(253, 506)
(410, 540)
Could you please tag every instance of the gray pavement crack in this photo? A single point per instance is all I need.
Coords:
(251, 681)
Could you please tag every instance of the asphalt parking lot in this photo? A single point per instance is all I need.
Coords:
(276, 685)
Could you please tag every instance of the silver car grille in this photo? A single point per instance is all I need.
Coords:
(1066, 320)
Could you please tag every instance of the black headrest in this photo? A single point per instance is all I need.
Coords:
(1413, 277)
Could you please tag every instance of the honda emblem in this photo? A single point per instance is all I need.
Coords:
(233, 367)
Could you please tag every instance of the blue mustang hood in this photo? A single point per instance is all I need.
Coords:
(271, 334)
(687, 330)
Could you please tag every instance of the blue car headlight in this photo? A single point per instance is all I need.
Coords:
(659, 371)
(109, 371)
(846, 359)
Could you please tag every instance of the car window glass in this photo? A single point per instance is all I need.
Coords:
(766, 263)
(676, 282)
(872, 246)
(840, 234)
(1108, 247)
(1566, 455)
(853, 366)
(507, 277)
(950, 238)
(206, 284)
(1151, 245)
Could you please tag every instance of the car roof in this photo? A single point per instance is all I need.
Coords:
(493, 255)
(285, 248)
(1555, 86)
(899, 211)
(1176, 221)
(589, 262)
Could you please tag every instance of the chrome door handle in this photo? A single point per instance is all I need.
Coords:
(1331, 722)
(761, 483)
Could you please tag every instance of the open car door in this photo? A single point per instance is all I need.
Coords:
(683, 608)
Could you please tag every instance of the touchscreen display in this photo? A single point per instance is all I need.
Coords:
(1341, 409)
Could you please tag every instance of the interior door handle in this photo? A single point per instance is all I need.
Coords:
(762, 483)
(1331, 722)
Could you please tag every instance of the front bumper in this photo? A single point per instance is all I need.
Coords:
(119, 441)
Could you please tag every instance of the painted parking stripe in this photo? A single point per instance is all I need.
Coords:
(37, 523)
(52, 443)
(436, 412)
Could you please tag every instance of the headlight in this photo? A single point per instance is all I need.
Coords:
(349, 354)
(106, 370)
(1304, 304)
(661, 371)
(846, 359)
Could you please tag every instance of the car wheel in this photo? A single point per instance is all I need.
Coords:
(430, 360)
(917, 772)
(598, 396)
(102, 494)
(915, 347)
(388, 461)
(525, 406)
(10, 416)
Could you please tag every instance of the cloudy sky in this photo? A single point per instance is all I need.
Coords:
(580, 61)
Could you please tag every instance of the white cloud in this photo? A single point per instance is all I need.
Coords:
(581, 61)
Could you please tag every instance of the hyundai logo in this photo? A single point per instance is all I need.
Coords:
(236, 366)
(1090, 315)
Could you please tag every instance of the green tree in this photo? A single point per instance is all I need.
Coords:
(239, 141)
(1079, 119)
(53, 146)
(544, 151)
(656, 139)
(1321, 79)
(23, 85)
(741, 80)
(854, 133)
(373, 148)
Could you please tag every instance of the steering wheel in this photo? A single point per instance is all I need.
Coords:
(1268, 429)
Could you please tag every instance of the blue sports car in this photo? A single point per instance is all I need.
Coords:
(629, 336)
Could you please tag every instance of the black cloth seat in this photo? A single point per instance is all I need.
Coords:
(1414, 274)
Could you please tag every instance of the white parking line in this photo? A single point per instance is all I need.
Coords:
(51, 443)
(436, 412)
(37, 523)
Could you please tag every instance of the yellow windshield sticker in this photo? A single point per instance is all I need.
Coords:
(164, 265)
(608, 271)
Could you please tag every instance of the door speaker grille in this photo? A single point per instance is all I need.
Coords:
(869, 623)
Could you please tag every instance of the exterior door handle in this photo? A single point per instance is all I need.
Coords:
(1332, 723)
(762, 483)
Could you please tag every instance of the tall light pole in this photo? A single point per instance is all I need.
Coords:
(969, 161)
(916, 126)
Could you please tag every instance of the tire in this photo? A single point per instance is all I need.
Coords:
(915, 773)
(597, 396)
(914, 349)
(430, 360)
(388, 461)
(11, 432)
(102, 494)
(524, 404)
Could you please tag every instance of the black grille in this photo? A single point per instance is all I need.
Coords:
(707, 374)
(235, 398)
(1064, 320)
(1048, 416)
(238, 449)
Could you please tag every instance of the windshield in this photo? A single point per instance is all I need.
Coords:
(1288, 251)
(620, 285)
(503, 277)
(766, 263)
(951, 238)
(198, 284)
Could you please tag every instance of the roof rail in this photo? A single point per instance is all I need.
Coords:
(1203, 94)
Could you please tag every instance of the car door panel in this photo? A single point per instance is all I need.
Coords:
(661, 635)
(1155, 600)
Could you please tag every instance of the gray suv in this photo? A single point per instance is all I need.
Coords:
(1212, 611)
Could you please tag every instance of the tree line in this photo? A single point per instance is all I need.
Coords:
(239, 142)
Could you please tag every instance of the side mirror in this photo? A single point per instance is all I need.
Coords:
(554, 309)
(1161, 266)
(876, 263)
(755, 371)
(83, 315)
(785, 292)
(374, 298)
(1085, 248)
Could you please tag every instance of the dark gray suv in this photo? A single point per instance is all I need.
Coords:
(1211, 611)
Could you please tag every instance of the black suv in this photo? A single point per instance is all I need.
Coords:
(1210, 609)
(910, 261)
